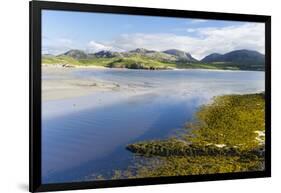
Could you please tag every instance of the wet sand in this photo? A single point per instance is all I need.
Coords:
(60, 83)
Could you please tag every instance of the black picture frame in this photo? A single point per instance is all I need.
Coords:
(36, 7)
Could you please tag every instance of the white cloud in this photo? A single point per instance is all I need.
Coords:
(207, 40)
(94, 46)
(193, 21)
(56, 46)
(199, 41)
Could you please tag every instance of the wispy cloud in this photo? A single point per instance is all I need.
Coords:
(56, 45)
(193, 21)
(199, 41)
(94, 46)
(207, 40)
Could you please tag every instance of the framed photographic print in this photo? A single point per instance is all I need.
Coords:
(126, 96)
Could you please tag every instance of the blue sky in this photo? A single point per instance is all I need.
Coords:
(64, 30)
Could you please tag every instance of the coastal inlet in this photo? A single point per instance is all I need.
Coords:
(90, 115)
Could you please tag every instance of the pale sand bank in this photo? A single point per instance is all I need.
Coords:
(59, 83)
(72, 66)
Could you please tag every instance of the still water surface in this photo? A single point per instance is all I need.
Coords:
(88, 135)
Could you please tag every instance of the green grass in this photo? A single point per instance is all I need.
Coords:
(95, 62)
(235, 66)
(132, 62)
(222, 139)
(140, 62)
(60, 60)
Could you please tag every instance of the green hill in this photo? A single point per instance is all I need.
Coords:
(238, 59)
(154, 60)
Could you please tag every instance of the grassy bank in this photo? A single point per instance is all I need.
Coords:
(133, 62)
(226, 136)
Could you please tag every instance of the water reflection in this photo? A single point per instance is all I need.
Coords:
(91, 137)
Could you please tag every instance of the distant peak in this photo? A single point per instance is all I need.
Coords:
(242, 56)
(182, 55)
(107, 54)
(141, 50)
(104, 51)
(75, 53)
(244, 51)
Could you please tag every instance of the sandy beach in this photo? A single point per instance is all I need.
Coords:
(59, 83)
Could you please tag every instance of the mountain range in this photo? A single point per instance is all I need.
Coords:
(141, 58)
(242, 57)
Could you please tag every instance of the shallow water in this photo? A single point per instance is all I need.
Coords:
(87, 135)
